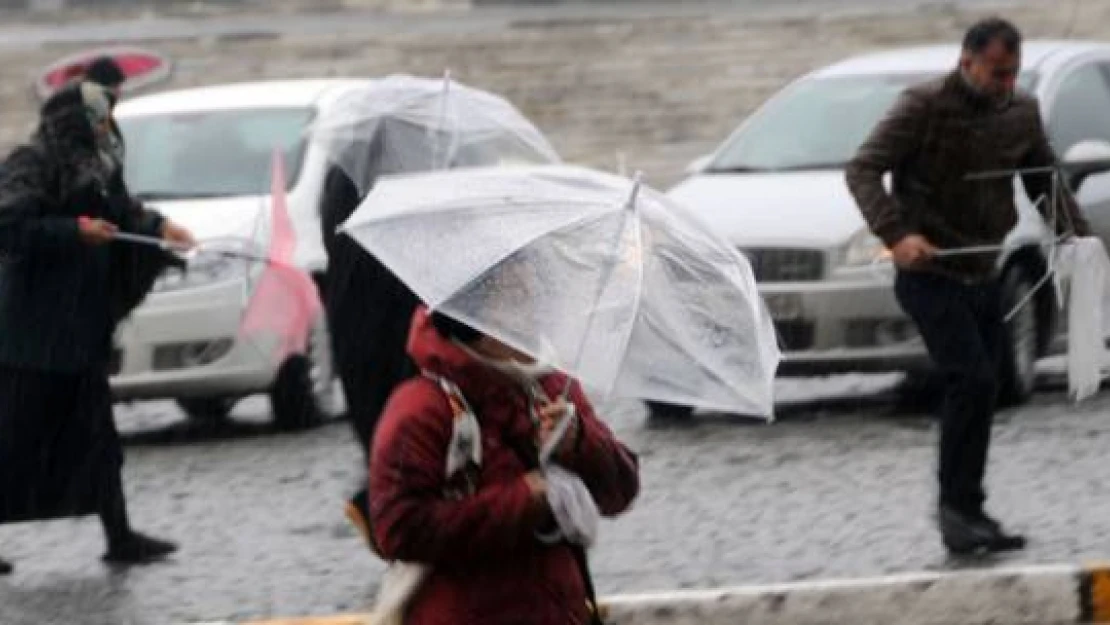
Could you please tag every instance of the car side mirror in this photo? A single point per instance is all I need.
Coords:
(698, 165)
(1085, 159)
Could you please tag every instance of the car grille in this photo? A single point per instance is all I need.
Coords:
(786, 265)
(794, 335)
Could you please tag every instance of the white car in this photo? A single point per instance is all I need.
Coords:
(203, 158)
(776, 189)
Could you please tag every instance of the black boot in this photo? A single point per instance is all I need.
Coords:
(1000, 539)
(6, 568)
(125, 545)
(962, 534)
(137, 548)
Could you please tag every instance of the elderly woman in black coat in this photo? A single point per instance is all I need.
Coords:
(64, 286)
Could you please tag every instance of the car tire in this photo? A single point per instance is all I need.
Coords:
(660, 411)
(207, 408)
(1023, 333)
(304, 390)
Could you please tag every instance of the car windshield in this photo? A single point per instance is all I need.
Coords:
(817, 123)
(220, 153)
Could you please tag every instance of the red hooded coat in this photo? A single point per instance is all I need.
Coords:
(487, 565)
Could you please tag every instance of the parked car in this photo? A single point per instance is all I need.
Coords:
(203, 157)
(776, 189)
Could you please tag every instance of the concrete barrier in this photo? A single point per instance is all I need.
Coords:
(1034, 595)
(1042, 595)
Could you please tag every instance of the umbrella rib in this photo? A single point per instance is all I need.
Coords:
(640, 266)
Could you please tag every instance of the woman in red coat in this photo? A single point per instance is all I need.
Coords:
(476, 528)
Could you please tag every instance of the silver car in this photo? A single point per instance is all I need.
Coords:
(776, 189)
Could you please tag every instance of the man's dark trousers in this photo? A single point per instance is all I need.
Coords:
(963, 330)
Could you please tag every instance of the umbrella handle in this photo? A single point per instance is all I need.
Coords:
(143, 239)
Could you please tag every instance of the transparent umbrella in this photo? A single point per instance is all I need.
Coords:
(592, 273)
(404, 124)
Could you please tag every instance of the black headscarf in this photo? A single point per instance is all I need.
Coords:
(66, 142)
(105, 71)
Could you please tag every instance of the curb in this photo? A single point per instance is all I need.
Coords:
(1033, 595)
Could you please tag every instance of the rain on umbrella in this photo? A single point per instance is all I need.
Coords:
(592, 273)
(405, 124)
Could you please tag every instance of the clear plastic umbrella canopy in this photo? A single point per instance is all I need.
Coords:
(592, 273)
(404, 124)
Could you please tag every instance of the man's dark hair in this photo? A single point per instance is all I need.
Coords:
(450, 328)
(105, 71)
(985, 32)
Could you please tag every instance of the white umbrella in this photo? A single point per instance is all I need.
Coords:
(592, 273)
(404, 124)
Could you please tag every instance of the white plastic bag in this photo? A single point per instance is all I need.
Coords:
(1084, 262)
(572, 505)
(398, 587)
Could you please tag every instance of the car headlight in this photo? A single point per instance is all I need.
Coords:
(863, 249)
(208, 266)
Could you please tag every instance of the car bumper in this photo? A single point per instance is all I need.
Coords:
(847, 322)
(187, 344)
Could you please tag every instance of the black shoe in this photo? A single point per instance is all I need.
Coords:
(962, 534)
(6, 568)
(138, 549)
(1000, 540)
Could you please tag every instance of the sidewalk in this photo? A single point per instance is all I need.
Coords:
(1037, 595)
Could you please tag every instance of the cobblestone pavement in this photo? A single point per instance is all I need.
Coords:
(841, 485)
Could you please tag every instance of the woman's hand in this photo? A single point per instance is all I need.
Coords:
(537, 485)
(550, 416)
(178, 237)
(96, 231)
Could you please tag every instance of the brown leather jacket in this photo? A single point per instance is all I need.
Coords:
(936, 135)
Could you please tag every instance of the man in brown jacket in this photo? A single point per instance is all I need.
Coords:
(937, 134)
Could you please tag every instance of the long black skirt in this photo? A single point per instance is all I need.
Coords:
(60, 453)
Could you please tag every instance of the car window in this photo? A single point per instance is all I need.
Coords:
(211, 153)
(818, 123)
(1081, 109)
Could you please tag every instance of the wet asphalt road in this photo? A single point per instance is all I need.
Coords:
(840, 486)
